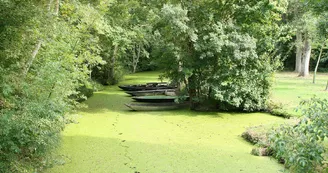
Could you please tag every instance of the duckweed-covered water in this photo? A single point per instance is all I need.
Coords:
(109, 138)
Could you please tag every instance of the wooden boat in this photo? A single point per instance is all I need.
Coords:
(143, 87)
(151, 92)
(156, 98)
(157, 83)
(131, 87)
(170, 93)
(154, 106)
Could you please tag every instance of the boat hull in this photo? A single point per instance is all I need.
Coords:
(150, 92)
(159, 98)
(143, 87)
(154, 106)
(154, 99)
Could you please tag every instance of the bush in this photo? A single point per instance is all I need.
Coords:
(42, 64)
(84, 92)
(118, 76)
(27, 135)
(277, 110)
(301, 146)
(258, 135)
(96, 86)
(102, 75)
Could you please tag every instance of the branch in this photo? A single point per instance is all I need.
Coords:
(52, 88)
(57, 7)
(34, 53)
(138, 53)
(49, 5)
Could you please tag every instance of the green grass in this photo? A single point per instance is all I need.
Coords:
(110, 138)
(289, 89)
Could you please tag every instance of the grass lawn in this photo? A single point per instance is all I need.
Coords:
(289, 89)
(110, 138)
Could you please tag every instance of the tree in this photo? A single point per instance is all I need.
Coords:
(320, 7)
(221, 55)
(141, 28)
(302, 20)
(321, 39)
(114, 41)
(306, 55)
(53, 47)
(139, 47)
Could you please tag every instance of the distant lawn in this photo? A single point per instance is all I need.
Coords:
(289, 89)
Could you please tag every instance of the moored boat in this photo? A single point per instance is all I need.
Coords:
(157, 98)
(154, 106)
(143, 87)
(151, 92)
(157, 83)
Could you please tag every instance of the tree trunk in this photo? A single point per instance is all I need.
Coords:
(57, 7)
(136, 56)
(299, 49)
(306, 57)
(90, 74)
(111, 74)
(316, 67)
(180, 68)
(192, 91)
(30, 62)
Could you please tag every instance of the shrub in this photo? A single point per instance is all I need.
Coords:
(277, 109)
(301, 146)
(85, 91)
(44, 59)
(103, 75)
(96, 86)
(27, 135)
(256, 134)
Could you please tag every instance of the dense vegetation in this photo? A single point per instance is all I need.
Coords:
(222, 53)
(226, 55)
(301, 146)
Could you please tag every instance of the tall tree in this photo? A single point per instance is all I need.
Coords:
(301, 18)
(216, 53)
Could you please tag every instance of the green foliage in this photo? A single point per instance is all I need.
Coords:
(45, 57)
(226, 54)
(125, 40)
(278, 109)
(96, 86)
(84, 92)
(239, 78)
(301, 146)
